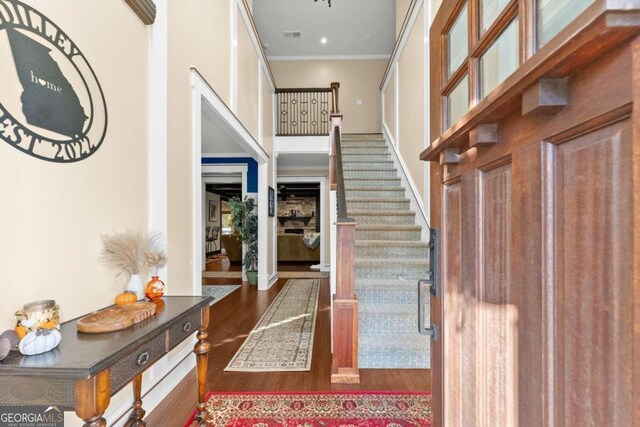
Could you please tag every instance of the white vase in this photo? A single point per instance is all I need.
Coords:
(135, 285)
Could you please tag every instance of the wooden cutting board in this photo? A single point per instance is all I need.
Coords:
(116, 317)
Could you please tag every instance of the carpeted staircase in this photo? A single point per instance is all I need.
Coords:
(390, 257)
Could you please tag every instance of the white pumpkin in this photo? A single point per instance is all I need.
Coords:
(39, 342)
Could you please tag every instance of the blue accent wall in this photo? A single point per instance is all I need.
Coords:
(252, 170)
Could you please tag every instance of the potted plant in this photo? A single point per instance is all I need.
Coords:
(245, 224)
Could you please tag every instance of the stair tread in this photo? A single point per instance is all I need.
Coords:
(367, 161)
(385, 282)
(382, 308)
(384, 261)
(382, 340)
(393, 243)
(364, 188)
(394, 227)
(381, 212)
(386, 199)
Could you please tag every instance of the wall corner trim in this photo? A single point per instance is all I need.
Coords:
(145, 9)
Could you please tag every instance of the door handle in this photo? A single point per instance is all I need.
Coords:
(430, 287)
(425, 326)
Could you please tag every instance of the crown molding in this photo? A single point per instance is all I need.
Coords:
(145, 9)
(328, 58)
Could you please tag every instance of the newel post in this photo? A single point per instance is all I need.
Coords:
(344, 366)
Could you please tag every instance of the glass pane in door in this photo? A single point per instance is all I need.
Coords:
(554, 15)
(501, 59)
(457, 42)
(489, 11)
(458, 102)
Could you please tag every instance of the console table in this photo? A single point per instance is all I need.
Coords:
(87, 369)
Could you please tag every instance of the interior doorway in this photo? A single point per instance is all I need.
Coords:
(222, 251)
(301, 223)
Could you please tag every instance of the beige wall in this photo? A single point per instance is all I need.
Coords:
(359, 79)
(411, 104)
(390, 106)
(210, 52)
(247, 80)
(51, 214)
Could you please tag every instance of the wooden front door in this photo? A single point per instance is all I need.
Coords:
(536, 190)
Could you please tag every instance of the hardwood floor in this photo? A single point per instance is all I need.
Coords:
(232, 319)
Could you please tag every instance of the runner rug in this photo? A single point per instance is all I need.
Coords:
(302, 275)
(328, 409)
(283, 338)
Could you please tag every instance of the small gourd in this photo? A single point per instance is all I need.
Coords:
(126, 297)
(21, 331)
(39, 342)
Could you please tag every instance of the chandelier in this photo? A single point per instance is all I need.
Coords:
(323, 0)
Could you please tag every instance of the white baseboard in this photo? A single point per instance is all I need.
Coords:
(416, 202)
(272, 279)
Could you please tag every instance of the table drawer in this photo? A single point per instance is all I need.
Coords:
(123, 371)
(184, 327)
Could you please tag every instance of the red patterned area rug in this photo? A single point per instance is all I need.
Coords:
(322, 409)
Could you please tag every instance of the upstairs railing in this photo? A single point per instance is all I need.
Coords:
(305, 111)
(344, 367)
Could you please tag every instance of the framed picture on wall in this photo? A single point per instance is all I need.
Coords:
(272, 202)
(213, 210)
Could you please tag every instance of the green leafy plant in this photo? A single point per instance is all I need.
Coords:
(245, 224)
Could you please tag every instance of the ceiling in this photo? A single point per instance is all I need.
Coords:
(225, 190)
(289, 189)
(351, 27)
(217, 138)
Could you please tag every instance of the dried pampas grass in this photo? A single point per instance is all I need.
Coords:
(125, 251)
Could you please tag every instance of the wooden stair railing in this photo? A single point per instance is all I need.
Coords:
(344, 367)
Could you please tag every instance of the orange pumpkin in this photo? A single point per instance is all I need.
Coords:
(126, 298)
(48, 325)
(21, 331)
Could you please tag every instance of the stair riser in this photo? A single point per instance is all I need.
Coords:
(365, 157)
(364, 150)
(376, 182)
(381, 322)
(363, 146)
(374, 194)
(364, 138)
(378, 205)
(394, 359)
(400, 296)
(412, 235)
(393, 252)
(392, 272)
(348, 166)
(384, 219)
(370, 174)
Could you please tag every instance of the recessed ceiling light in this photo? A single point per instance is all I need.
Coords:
(323, 40)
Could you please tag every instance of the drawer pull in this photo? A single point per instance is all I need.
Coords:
(186, 327)
(143, 358)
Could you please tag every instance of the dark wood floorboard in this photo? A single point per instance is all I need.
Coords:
(232, 319)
